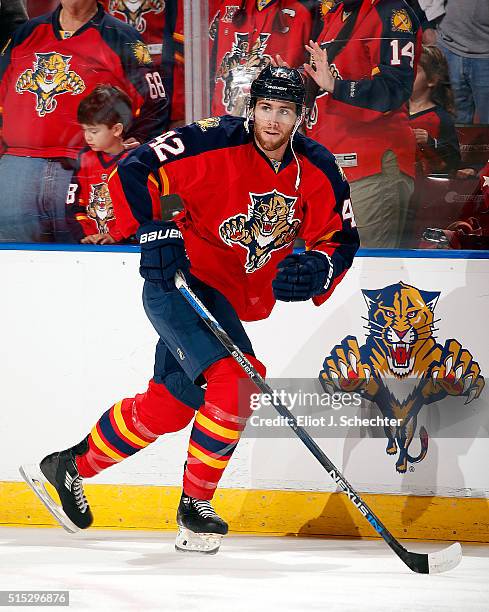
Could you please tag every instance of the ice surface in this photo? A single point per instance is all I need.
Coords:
(129, 570)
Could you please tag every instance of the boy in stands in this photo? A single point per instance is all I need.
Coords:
(105, 116)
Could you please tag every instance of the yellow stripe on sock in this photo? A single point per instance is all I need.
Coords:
(218, 429)
(220, 464)
(100, 444)
(119, 419)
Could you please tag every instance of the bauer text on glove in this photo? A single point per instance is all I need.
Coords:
(162, 252)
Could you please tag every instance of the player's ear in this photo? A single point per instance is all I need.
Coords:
(117, 129)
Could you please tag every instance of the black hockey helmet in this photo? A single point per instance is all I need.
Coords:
(279, 83)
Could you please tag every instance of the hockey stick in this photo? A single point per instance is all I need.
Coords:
(431, 563)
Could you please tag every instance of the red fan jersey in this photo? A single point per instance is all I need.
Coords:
(148, 17)
(89, 206)
(45, 76)
(240, 52)
(160, 24)
(366, 115)
(441, 154)
(242, 213)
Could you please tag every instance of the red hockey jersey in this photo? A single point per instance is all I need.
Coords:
(44, 77)
(441, 154)
(366, 115)
(238, 224)
(160, 24)
(89, 206)
(240, 52)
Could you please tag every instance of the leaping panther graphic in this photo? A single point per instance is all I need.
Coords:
(238, 69)
(401, 367)
(133, 11)
(51, 77)
(270, 225)
(100, 207)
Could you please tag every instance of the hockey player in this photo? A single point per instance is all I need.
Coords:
(249, 188)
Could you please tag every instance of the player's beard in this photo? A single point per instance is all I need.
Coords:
(271, 142)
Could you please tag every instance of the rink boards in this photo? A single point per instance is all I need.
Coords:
(75, 340)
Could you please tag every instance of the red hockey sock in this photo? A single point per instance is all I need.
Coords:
(131, 425)
(218, 425)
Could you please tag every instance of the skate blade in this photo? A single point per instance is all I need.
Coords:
(35, 479)
(203, 543)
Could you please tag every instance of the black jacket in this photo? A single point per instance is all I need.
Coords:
(12, 15)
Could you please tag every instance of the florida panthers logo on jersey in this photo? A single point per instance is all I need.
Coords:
(51, 77)
(269, 225)
(100, 207)
(238, 69)
(210, 122)
(133, 11)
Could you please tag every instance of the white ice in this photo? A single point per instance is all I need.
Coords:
(129, 570)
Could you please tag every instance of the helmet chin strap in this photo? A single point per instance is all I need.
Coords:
(249, 116)
(297, 125)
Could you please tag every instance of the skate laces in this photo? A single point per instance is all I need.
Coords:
(204, 508)
(80, 499)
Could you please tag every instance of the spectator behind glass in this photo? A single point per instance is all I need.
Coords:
(245, 36)
(471, 230)
(51, 61)
(364, 67)
(430, 113)
(429, 12)
(463, 36)
(105, 117)
(12, 15)
(476, 212)
(160, 25)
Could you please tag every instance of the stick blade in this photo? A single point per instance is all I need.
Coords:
(435, 562)
(444, 560)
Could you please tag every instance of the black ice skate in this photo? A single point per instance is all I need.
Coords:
(200, 529)
(59, 469)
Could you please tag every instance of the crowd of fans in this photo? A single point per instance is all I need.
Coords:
(400, 95)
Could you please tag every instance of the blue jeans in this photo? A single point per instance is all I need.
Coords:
(33, 200)
(470, 84)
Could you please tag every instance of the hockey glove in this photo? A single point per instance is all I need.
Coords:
(302, 276)
(162, 252)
